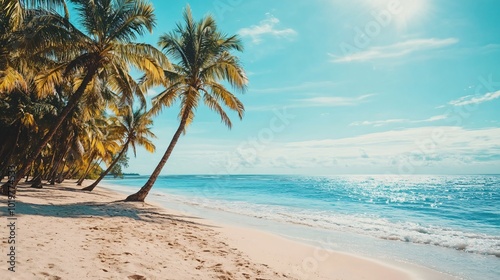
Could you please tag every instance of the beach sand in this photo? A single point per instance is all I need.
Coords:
(64, 233)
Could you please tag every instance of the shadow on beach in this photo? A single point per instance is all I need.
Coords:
(54, 197)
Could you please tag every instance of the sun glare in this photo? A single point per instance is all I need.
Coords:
(407, 11)
(411, 11)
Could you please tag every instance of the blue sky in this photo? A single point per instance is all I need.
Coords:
(347, 87)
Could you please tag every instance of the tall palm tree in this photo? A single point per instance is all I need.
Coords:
(204, 60)
(103, 52)
(135, 126)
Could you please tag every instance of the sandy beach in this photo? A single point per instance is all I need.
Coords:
(349, 140)
(64, 233)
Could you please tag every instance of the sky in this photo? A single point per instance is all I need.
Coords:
(346, 87)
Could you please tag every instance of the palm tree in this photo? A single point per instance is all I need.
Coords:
(103, 53)
(135, 126)
(13, 14)
(203, 61)
(99, 142)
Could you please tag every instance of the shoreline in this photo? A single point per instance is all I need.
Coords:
(307, 260)
(111, 239)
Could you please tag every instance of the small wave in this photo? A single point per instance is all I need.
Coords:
(456, 239)
(158, 194)
(432, 210)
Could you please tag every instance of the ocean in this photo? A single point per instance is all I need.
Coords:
(448, 223)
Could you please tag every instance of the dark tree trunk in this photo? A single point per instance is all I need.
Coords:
(87, 170)
(8, 147)
(71, 170)
(55, 172)
(46, 172)
(37, 182)
(8, 158)
(35, 166)
(143, 192)
(73, 101)
(93, 185)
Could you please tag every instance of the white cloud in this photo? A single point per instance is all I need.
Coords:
(431, 119)
(428, 149)
(436, 118)
(474, 99)
(319, 101)
(395, 50)
(490, 48)
(428, 142)
(151, 93)
(436, 149)
(332, 101)
(393, 121)
(378, 123)
(269, 27)
(306, 86)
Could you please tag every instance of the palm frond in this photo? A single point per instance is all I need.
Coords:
(148, 145)
(215, 106)
(130, 19)
(47, 81)
(165, 98)
(11, 79)
(229, 99)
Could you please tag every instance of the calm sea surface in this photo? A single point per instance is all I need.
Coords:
(450, 223)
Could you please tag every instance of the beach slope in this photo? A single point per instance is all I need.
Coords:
(64, 233)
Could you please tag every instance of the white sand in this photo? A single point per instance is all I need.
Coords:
(63, 233)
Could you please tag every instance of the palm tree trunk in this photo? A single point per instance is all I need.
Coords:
(87, 170)
(37, 182)
(113, 163)
(143, 192)
(46, 174)
(73, 101)
(12, 150)
(71, 169)
(60, 176)
(55, 173)
(55, 168)
(34, 168)
(8, 149)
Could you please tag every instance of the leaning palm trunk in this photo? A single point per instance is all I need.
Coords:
(143, 192)
(89, 166)
(110, 167)
(204, 59)
(73, 101)
(10, 153)
(55, 172)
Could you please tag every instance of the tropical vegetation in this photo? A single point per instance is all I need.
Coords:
(202, 58)
(69, 104)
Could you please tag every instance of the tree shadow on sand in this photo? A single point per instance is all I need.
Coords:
(90, 209)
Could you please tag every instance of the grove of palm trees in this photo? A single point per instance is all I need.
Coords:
(70, 105)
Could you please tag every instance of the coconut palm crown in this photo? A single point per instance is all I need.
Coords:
(95, 60)
(203, 61)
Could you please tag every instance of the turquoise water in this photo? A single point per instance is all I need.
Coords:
(451, 223)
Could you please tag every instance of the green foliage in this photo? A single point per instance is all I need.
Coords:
(94, 173)
(203, 60)
(68, 102)
(116, 171)
(58, 81)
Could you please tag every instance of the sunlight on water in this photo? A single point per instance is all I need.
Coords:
(455, 212)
